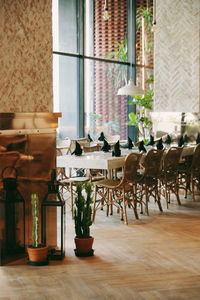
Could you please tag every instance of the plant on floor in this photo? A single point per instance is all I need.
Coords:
(83, 211)
(83, 219)
(35, 218)
(37, 252)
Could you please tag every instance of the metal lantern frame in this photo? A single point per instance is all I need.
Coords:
(53, 189)
(10, 196)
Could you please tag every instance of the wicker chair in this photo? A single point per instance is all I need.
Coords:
(149, 180)
(64, 145)
(119, 192)
(84, 142)
(94, 174)
(184, 174)
(67, 183)
(195, 171)
(92, 148)
(169, 175)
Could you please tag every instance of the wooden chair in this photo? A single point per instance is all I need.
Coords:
(68, 183)
(64, 146)
(84, 142)
(184, 174)
(94, 174)
(119, 192)
(169, 174)
(149, 180)
(92, 148)
(195, 171)
(112, 138)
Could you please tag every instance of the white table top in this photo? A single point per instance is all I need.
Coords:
(100, 160)
(92, 160)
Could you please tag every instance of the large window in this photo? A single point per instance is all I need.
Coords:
(91, 61)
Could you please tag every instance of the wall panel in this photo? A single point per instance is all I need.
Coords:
(176, 61)
(25, 56)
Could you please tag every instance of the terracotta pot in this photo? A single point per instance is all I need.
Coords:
(37, 254)
(84, 245)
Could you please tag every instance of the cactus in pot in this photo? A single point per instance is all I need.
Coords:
(37, 253)
(35, 220)
(83, 219)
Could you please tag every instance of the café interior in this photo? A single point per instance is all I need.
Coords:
(100, 141)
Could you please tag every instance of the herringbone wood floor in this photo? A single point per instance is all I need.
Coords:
(156, 257)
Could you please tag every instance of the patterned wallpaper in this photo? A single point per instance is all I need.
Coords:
(177, 61)
(25, 56)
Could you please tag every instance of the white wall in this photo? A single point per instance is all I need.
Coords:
(177, 62)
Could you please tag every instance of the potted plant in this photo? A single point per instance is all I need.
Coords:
(83, 220)
(37, 253)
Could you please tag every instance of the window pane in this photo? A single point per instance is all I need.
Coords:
(175, 124)
(106, 39)
(105, 111)
(65, 30)
(66, 94)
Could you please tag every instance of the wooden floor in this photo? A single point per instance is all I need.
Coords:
(156, 257)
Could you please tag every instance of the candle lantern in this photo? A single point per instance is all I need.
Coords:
(12, 218)
(53, 212)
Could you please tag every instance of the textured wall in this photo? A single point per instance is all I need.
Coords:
(177, 62)
(25, 56)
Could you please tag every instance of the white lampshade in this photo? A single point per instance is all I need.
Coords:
(130, 89)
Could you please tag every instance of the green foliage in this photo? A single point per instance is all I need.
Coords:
(146, 141)
(94, 117)
(121, 53)
(145, 102)
(134, 119)
(35, 220)
(117, 72)
(147, 14)
(113, 126)
(83, 210)
(150, 80)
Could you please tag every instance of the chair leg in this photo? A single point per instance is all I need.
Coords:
(166, 195)
(141, 203)
(102, 201)
(124, 209)
(135, 202)
(72, 199)
(187, 188)
(108, 203)
(177, 196)
(94, 203)
(158, 199)
(111, 203)
(147, 199)
(193, 189)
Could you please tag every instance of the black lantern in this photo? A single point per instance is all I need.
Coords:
(12, 218)
(53, 212)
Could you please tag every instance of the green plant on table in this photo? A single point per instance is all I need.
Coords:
(144, 104)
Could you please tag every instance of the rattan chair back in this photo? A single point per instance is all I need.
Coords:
(196, 160)
(171, 159)
(93, 148)
(131, 166)
(152, 163)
